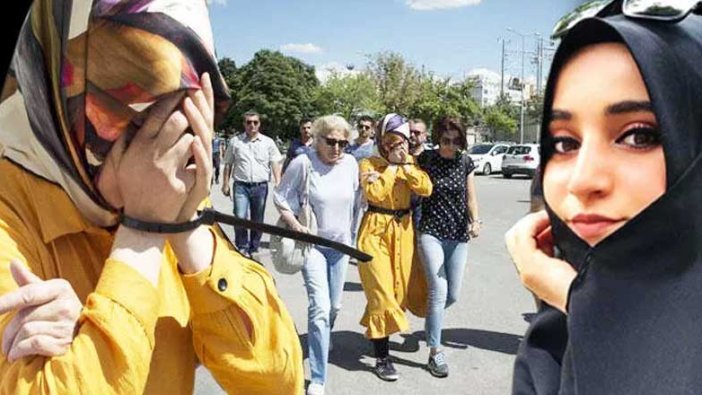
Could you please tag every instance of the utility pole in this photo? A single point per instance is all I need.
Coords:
(521, 107)
(521, 82)
(539, 62)
(502, 71)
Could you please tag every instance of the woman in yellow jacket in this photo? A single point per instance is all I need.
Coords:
(106, 121)
(386, 233)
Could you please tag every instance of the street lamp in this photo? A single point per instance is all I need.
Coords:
(521, 104)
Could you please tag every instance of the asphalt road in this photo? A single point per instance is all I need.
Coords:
(482, 330)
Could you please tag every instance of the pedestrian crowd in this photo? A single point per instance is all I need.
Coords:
(385, 189)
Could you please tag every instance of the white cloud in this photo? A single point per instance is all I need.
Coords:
(324, 71)
(301, 48)
(439, 4)
(218, 2)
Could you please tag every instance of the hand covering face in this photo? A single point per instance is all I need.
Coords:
(85, 72)
(391, 123)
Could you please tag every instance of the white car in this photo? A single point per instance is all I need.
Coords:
(521, 159)
(487, 157)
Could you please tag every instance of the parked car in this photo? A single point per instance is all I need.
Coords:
(521, 159)
(487, 157)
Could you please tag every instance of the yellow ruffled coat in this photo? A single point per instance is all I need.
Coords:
(391, 243)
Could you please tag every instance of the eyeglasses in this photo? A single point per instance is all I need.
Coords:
(446, 141)
(660, 10)
(333, 142)
(416, 132)
(250, 122)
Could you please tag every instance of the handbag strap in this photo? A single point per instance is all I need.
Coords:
(306, 193)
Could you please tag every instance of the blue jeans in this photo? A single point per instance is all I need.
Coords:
(324, 274)
(444, 264)
(249, 197)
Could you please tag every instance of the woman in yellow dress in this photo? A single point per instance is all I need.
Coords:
(386, 233)
(107, 117)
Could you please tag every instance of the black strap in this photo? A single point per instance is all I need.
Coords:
(209, 216)
(396, 213)
(205, 217)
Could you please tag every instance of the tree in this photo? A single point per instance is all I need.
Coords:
(231, 77)
(504, 103)
(348, 96)
(440, 97)
(430, 101)
(535, 109)
(501, 125)
(280, 88)
(397, 81)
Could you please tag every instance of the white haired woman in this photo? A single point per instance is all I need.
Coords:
(332, 193)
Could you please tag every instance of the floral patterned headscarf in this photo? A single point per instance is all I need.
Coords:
(85, 72)
(392, 123)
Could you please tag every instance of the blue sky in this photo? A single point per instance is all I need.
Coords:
(449, 37)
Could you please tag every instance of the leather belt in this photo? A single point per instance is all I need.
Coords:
(398, 214)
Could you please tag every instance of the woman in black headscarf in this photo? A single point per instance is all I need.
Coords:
(622, 142)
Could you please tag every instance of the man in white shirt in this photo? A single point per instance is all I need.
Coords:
(250, 158)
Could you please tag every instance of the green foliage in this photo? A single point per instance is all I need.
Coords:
(501, 124)
(416, 93)
(348, 96)
(535, 109)
(280, 88)
(440, 97)
(397, 82)
(283, 89)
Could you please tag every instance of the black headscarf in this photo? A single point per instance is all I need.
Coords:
(634, 322)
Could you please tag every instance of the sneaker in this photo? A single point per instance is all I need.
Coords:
(437, 365)
(385, 370)
(315, 389)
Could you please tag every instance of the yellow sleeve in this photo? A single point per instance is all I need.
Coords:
(112, 350)
(242, 331)
(417, 180)
(379, 189)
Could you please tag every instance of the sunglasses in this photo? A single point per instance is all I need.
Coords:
(446, 141)
(333, 142)
(659, 10)
(252, 122)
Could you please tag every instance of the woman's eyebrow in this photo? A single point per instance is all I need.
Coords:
(561, 115)
(629, 106)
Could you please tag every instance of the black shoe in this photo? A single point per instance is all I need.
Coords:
(437, 365)
(385, 370)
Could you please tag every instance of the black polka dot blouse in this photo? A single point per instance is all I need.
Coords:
(445, 212)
